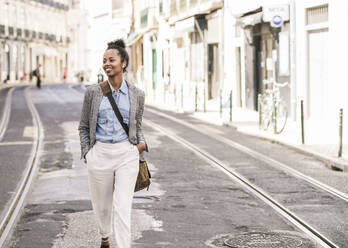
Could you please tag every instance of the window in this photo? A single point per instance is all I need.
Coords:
(317, 14)
(173, 8)
(143, 17)
(183, 5)
(161, 7)
(118, 4)
(193, 3)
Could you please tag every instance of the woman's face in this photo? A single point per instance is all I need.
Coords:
(112, 64)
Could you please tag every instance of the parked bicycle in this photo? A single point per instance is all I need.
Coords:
(272, 108)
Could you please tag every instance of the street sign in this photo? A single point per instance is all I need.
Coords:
(277, 21)
(276, 14)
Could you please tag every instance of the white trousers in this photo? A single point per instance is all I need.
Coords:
(112, 173)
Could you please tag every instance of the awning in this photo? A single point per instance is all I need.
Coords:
(189, 24)
(135, 36)
(251, 18)
(131, 37)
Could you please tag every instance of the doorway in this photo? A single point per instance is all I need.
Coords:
(213, 71)
(238, 77)
(317, 73)
(7, 62)
(154, 69)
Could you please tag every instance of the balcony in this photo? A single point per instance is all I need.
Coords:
(54, 4)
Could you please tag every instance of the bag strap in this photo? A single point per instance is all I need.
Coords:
(108, 92)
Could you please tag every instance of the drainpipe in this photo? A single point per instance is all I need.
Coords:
(221, 50)
(293, 59)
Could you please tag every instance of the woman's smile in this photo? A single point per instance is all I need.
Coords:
(108, 69)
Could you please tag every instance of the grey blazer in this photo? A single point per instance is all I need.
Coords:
(88, 122)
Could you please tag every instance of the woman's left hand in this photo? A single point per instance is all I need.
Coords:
(141, 147)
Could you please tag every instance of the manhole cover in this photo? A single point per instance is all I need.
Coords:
(266, 240)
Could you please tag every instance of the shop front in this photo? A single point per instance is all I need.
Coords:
(267, 59)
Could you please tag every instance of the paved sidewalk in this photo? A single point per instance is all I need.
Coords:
(321, 137)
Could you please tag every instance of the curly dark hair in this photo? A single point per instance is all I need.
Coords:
(120, 46)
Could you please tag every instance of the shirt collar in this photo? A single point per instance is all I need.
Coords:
(123, 89)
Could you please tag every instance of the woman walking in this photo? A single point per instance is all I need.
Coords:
(112, 154)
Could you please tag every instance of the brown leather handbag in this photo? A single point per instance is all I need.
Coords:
(144, 175)
(143, 180)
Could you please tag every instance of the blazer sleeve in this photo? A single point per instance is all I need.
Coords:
(139, 118)
(84, 125)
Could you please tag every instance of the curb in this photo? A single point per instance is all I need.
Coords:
(332, 163)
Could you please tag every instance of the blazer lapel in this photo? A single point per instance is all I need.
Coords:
(133, 106)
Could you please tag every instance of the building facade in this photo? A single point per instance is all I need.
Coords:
(33, 33)
(106, 22)
(188, 52)
(177, 47)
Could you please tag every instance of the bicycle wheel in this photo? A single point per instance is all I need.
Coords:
(281, 117)
(266, 119)
(266, 114)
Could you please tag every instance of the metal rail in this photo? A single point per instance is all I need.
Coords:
(6, 115)
(286, 213)
(17, 201)
(270, 161)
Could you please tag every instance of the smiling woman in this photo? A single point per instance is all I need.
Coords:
(112, 148)
(115, 58)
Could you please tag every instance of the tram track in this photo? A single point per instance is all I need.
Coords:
(10, 216)
(259, 156)
(313, 233)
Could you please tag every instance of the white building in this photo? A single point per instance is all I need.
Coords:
(310, 54)
(219, 46)
(106, 22)
(33, 33)
(321, 52)
(78, 47)
(172, 43)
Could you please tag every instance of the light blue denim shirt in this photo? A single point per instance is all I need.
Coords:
(109, 129)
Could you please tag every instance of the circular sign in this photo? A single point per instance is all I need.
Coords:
(277, 21)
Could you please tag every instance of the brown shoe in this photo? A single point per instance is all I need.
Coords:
(105, 243)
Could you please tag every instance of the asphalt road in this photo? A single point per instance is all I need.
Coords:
(190, 203)
(15, 147)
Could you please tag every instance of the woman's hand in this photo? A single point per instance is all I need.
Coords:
(141, 147)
